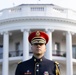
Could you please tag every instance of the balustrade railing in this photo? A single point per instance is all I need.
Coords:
(15, 53)
(54, 12)
(59, 53)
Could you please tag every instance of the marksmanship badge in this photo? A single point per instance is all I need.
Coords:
(46, 73)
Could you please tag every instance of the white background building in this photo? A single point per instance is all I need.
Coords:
(15, 25)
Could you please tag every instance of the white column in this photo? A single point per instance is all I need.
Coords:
(25, 45)
(5, 67)
(48, 53)
(69, 63)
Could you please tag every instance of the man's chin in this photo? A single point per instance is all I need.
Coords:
(38, 54)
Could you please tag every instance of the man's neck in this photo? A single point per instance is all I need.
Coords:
(38, 56)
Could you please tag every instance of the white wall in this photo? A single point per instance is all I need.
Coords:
(62, 69)
(12, 69)
(15, 39)
(0, 70)
(74, 69)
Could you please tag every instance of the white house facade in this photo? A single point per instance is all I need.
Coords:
(16, 24)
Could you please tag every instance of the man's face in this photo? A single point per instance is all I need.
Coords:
(38, 49)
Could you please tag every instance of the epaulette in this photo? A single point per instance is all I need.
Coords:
(19, 62)
(57, 68)
(56, 63)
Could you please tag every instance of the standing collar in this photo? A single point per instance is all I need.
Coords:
(38, 60)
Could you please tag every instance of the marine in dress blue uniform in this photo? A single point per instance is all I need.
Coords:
(35, 66)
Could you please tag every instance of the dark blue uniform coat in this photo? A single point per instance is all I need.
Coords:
(35, 66)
